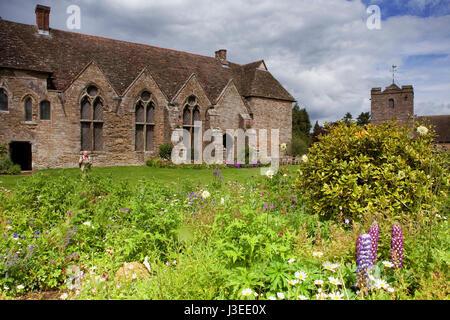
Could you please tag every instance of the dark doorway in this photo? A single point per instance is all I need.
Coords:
(20, 153)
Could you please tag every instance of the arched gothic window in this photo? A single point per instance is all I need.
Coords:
(191, 113)
(3, 100)
(28, 108)
(391, 103)
(144, 122)
(91, 120)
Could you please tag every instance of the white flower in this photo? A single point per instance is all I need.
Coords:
(390, 289)
(302, 297)
(222, 201)
(330, 266)
(336, 296)
(283, 146)
(175, 262)
(292, 282)
(318, 282)
(317, 254)
(270, 173)
(88, 224)
(20, 287)
(381, 284)
(321, 296)
(387, 264)
(334, 281)
(304, 158)
(422, 130)
(134, 276)
(301, 275)
(272, 298)
(247, 292)
(280, 295)
(205, 194)
(64, 296)
(291, 260)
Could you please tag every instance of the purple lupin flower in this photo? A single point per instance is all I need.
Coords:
(363, 259)
(397, 246)
(373, 232)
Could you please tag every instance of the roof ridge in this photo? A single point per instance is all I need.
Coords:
(112, 39)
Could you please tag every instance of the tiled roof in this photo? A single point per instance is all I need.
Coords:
(441, 125)
(65, 54)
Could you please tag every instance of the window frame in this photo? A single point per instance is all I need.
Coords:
(5, 93)
(146, 125)
(41, 110)
(28, 99)
(92, 122)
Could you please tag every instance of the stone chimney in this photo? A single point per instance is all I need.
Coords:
(43, 19)
(221, 55)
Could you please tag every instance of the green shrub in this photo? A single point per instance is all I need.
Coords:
(388, 169)
(165, 151)
(6, 165)
(299, 145)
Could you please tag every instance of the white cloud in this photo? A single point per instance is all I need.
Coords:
(321, 51)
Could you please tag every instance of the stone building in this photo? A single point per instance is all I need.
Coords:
(64, 92)
(398, 103)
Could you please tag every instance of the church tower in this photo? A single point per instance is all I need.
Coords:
(392, 103)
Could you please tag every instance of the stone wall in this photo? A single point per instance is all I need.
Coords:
(56, 143)
(272, 114)
(403, 104)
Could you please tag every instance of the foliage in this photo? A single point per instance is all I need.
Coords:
(201, 240)
(165, 151)
(301, 125)
(363, 119)
(299, 145)
(352, 172)
(347, 118)
(6, 165)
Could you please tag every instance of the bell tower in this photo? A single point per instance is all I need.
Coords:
(392, 103)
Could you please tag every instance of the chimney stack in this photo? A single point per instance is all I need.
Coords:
(221, 55)
(43, 19)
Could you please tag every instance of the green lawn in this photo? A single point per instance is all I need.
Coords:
(134, 174)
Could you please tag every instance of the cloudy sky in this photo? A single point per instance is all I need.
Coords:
(322, 51)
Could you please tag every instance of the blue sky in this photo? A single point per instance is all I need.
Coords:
(419, 8)
(321, 51)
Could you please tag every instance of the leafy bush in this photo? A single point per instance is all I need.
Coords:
(6, 165)
(165, 151)
(387, 168)
(298, 145)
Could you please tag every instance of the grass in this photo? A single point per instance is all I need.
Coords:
(134, 174)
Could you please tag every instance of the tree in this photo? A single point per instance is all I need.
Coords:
(363, 119)
(347, 118)
(301, 124)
